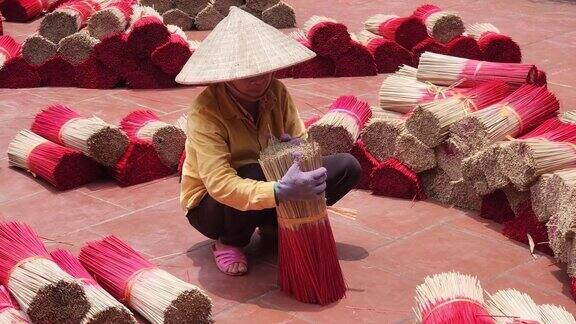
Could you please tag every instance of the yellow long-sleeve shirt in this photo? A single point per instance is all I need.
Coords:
(221, 139)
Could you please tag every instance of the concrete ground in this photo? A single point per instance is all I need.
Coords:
(384, 253)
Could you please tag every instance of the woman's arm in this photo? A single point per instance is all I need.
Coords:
(206, 136)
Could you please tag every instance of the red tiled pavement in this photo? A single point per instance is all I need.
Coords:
(384, 253)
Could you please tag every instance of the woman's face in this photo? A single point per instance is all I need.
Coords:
(253, 87)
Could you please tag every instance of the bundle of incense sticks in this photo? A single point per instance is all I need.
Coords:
(46, 293)
(441, 25)
(340, 127)
(379, 135)
(406, 31)
(308, 267)
(327, 37)
(450, 298)
(428, 125)
(388, 54)
(445, 70)
(511, 305)
(62, 167)
(495, 46)
(401, 91)
(103, 142)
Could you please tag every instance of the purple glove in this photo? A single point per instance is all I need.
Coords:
(288, 138)
(297, 185)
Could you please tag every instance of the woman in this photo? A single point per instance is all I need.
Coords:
(224, 190)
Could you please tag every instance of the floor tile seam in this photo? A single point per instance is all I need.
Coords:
(501, 238)
(104, 200)
(22, 197)
(121, 216)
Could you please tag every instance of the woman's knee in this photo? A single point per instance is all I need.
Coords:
(351, 166)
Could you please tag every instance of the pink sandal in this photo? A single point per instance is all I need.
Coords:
(225, 258)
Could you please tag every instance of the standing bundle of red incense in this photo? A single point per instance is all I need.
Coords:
(451, 298)
(45, 292)
(147, 31)
(103, 307)
(429, 44)
(388, 54)
(317, 67)
(168, 140)
(391, 178)
(154, 293)
(67, 19)
(340, 127)
(111, 20)
(495, 46)
(57, 72)
(9, 310)
(441, 25)
(308, 267)
(171, 56)
(406, 31)
(445, 70)
(62, 167)
(327, 37)
(92, 136)
(93, 74)
(356, 61)
(17, 73)
(113, 53)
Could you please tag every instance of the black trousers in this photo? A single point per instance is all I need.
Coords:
(235, 227)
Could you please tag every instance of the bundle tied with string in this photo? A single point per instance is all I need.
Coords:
(429, 44)
(553, 314)
(191, 8)
(154, 293)
(62, 167)
(482, 169)
(67, 19)
(9, 310)
(182, 123)
(376, 135)
(21, 10)
(93, 74)
(147, 75)
(441, 25)
(388, 55)
(308, 267)
(562, 223)
(548, 192)
(146, 32)
(406, 31)
(445, 70)
(103, 307)
(92, 136)
(464, 46)
(430, 122)
(254, 12)
(171, 56)
(168, 140)
(178, 18)
(356, 61)
(437, 185)
(9, 49)
(463, 195)
(560, 243)
(223, 6)
(17, 73)
(208, 17)
(111, 20)
(450, 298)
(401, 91)
(340, 127)
(77, 48)
(525, 159)
(58, 72)
(518, 113)
(391, 178)
(510, 305)
(44, 291)
(327, 37)
(113, 53)
(279, 15)
(317, 67)
(161, 6)
(38, 49)
(495, 46)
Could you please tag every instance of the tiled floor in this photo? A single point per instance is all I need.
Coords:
(384, 253)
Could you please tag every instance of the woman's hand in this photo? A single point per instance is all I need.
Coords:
(297, 185)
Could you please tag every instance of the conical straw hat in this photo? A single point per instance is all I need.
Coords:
(241, 46)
